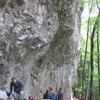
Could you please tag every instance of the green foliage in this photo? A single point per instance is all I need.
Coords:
(93, 17)
(78, 89)
(82, 3)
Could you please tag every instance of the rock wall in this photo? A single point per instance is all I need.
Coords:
(40, 44)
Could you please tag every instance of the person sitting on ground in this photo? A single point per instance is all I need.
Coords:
(52, 95)
(60, 94)
(31, 98)
(45, 96)
(7, 92)
(18, 88)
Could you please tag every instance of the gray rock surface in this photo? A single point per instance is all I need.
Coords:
(40, 43)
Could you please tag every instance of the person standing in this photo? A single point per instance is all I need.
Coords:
(18, 87)
(60, 94)
(45, 96)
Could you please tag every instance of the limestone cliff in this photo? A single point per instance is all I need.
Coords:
(40, 44)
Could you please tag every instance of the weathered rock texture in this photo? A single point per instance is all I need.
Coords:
(40, 43)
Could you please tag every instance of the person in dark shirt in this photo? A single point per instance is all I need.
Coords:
(60, 94)
(45, 96)
(18, 87)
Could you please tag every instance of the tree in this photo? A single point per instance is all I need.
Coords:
(84, 62)
(92, 57)
(98, 50)
(89, 67)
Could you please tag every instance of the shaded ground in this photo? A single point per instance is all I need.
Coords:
(74, 98)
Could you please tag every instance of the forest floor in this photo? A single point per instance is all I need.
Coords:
(74, 98)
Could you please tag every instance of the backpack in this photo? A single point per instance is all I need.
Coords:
(52, 96)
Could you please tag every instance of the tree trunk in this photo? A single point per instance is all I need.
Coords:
(84, 62)
(92, 58)
(98, 58)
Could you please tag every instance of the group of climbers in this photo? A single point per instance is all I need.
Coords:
(52, 95)
(17, 86)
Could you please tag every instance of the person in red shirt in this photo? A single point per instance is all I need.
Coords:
(50, 90)
(52, 95)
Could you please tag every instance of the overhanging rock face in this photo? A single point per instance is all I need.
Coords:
(40, 44)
